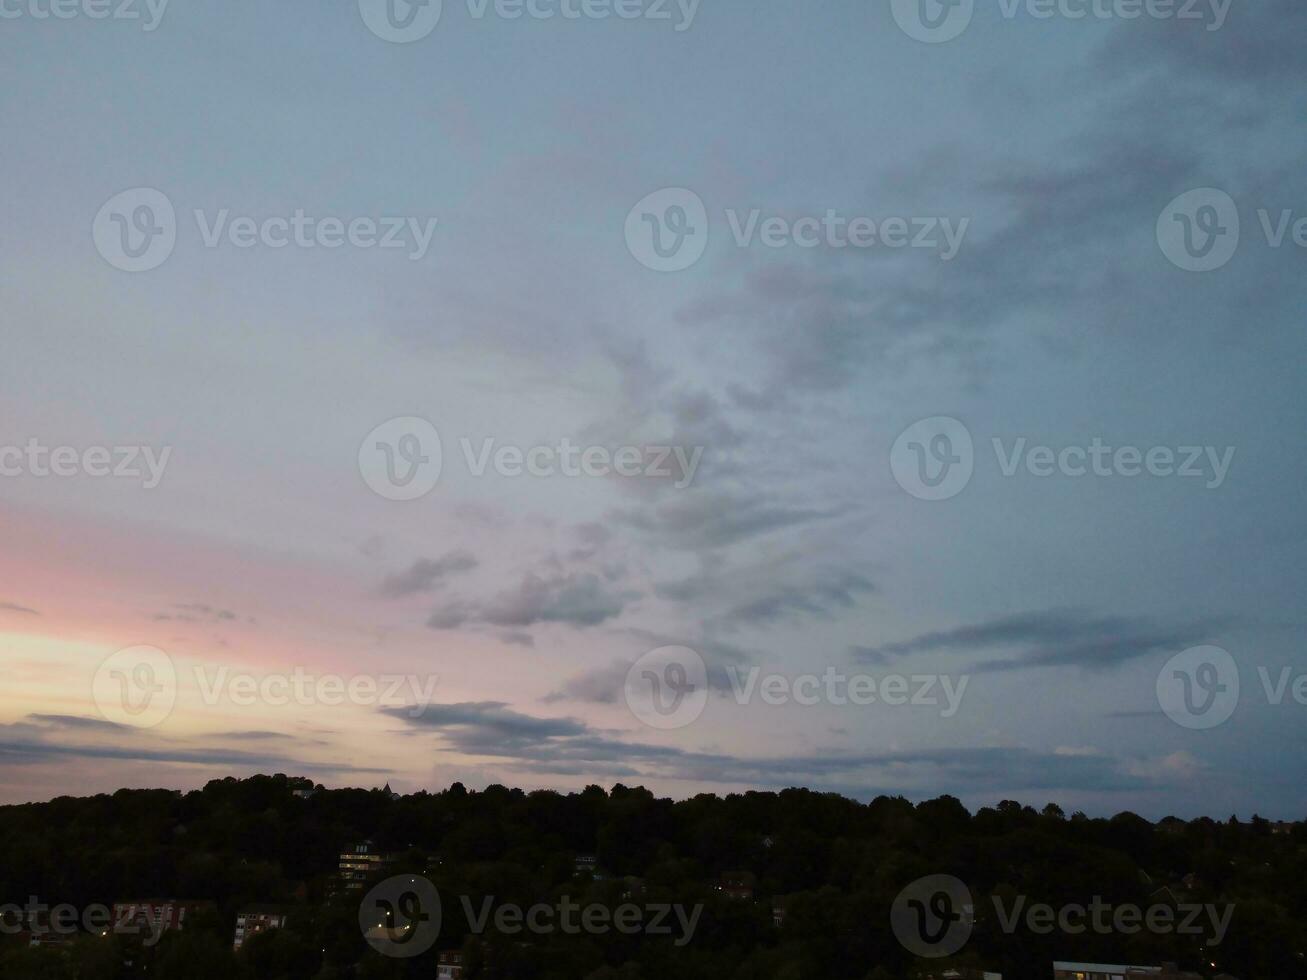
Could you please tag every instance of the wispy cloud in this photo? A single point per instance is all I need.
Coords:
(566, 746)
(578, 599)
(1053, 638)
(425, 574)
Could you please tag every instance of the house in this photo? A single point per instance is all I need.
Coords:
(736, 885)
(390, 792)
(632, 888)
(778, 912)
(587, 864)
(153, 915)
(49, 939)
(361, 861)
(37, 927)
(256, 919)
(450, 966)
(1107, 971)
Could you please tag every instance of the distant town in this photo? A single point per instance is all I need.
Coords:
(286, 879)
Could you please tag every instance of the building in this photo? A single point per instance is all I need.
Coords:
(154, 915)
(632, 888)
(736, 885)
(48, 939)
(256, 919)
(360, 862)
(1108, 971)
(778, 912)
(450, 966)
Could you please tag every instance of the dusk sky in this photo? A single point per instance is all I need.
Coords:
(996, 229)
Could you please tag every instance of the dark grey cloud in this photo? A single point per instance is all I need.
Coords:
(79, 722)
(493, 718)
(578, 599)
(599, 685)
(604, 684)
(570, 747)
(256, 735)
(714, 650)
(196, 612)
(1061, 241)
(716, 519)
(1054, 638)
(1051, 239)
(23, 743)
(592, 537)
(728, 595)
(830, 590)
(868, 655)
(1260, 43)
(14, 607)
(684, 415)
(425, 574)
